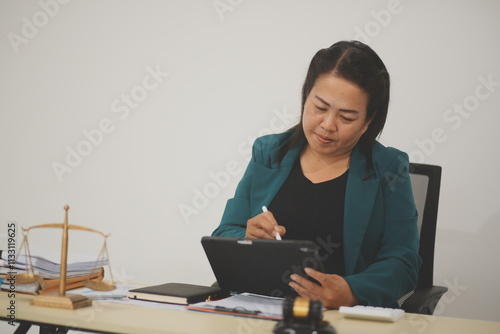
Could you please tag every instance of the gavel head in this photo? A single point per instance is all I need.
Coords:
(302, 310)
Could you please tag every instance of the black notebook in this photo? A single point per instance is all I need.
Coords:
(176, 293)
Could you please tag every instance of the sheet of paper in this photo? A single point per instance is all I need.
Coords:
(120, 292)
(247, 302)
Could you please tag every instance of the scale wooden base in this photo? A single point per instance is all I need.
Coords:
(69, 301)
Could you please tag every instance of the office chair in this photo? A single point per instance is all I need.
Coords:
(426, 182)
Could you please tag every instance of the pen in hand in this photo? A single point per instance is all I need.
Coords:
(278, 236)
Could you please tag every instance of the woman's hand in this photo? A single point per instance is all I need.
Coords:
(263, 226)
(333, 291)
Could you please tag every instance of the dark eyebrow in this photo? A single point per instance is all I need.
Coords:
(322, 101)
(351, 111)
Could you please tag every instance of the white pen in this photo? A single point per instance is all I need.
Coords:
(278, 236)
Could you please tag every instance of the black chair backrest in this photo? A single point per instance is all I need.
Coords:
(426, 183)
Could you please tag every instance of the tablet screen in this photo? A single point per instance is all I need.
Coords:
(260, 266)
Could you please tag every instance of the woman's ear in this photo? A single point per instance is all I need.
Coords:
(367, 125)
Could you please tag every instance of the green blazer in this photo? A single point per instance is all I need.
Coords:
(380, 219)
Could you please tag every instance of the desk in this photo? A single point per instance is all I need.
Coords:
(119, 318)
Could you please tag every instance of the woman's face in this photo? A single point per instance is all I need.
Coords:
(334, 116)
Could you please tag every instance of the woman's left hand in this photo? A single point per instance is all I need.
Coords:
(333, 292)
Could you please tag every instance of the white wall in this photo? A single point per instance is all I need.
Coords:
(234, 72)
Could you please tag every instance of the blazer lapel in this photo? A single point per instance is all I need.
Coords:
(269, 179)
(359, 201)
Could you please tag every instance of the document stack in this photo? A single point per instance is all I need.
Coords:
(46, 265)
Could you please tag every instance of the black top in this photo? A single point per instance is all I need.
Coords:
(314, 211)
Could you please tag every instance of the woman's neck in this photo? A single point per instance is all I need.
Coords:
(319, 168)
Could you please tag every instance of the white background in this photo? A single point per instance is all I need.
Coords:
(235, 70)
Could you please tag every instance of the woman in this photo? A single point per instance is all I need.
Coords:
(328, 180)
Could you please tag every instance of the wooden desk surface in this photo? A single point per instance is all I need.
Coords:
(120, 318)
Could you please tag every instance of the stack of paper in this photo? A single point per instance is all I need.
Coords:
(46, 264)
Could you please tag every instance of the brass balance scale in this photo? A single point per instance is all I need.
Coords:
(61, 299)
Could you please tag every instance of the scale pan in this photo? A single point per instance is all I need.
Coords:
(100, 285)
(27, 278)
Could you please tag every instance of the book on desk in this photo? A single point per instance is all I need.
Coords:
(177, 293)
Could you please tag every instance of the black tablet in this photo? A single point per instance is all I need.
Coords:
(259, 266)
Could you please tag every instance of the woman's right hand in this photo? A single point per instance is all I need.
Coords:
(264, 226)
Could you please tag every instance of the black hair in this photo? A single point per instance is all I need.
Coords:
(357, 63)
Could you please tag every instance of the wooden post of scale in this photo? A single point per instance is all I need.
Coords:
(64, 254)
(71, 301)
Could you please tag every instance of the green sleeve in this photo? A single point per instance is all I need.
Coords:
(394, 271)
(237, 211)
